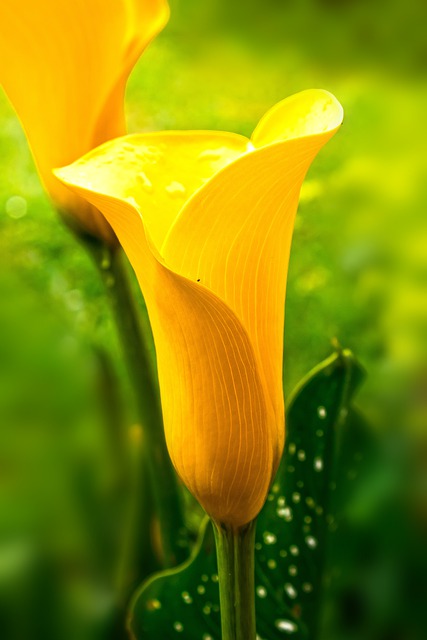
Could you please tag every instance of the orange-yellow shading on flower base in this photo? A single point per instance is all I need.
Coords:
(206, 219)
(64, 66)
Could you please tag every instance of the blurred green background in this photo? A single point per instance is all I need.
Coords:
(358, 274)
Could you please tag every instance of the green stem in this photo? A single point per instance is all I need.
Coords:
(163, 482)
(235, 550)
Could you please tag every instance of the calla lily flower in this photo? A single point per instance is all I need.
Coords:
(206, 219)
(64, 66)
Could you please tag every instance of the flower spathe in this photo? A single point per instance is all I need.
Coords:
(64, 66)
(206, 219)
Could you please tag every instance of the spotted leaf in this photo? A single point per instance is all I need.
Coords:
(303, 509)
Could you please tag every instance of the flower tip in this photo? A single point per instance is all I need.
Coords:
(63, 175)
(161, 13)
(74, 180)
(166, 11)
(59, 173)
(312, 112)
(71, 175)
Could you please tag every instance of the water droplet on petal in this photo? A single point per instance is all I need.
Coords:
(178, 626)
(145, 182)
(210, 154)
(153, 605)
(152, 154)
(301, 455)
(293, 570)
(132, 201)
(261, 592)
(175, 189)
(294, 550)
(296, 497)
(201, 589)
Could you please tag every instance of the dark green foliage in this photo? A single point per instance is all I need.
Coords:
(326, 442)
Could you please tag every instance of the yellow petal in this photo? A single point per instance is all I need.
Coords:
(216, 420)
(308, 113)
(159, 171)
(235, 234)
(213, 267)
(64, 67)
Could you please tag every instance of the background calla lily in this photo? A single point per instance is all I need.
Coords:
(64, 66)
(206, 219)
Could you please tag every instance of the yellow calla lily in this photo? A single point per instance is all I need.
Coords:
(206, 219)
(64, 66)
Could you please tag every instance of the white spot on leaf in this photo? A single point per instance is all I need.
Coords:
(261, 592)
(321, 412)
(286, 626)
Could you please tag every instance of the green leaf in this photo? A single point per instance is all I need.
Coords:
(324, 447)
(181, 602)
(302, 512)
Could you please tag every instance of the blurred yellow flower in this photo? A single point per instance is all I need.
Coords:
(64, 66)
(206, 219)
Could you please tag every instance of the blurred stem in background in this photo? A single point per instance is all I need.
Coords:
(157, 493)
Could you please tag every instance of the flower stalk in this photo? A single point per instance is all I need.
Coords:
(167, 518)
(235, 553)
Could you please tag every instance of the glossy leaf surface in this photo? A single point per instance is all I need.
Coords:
(325, 442)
